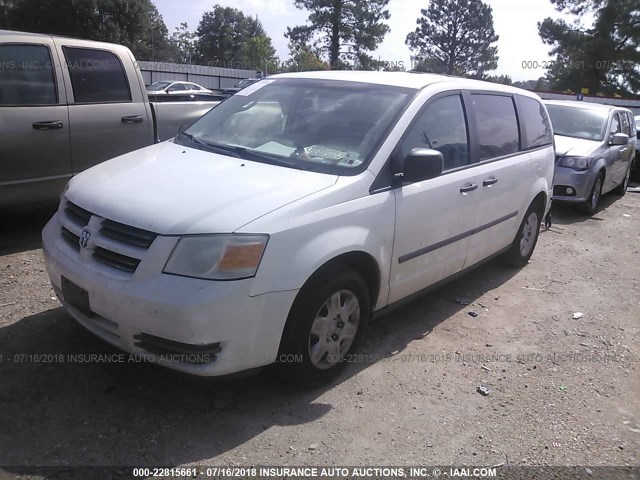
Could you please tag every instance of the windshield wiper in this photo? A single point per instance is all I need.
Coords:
(211, 147)
(239, 152)
(264, 157)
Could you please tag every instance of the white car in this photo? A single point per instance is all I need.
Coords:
(176, 88)
(271, 229)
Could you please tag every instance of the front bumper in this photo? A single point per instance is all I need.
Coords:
(217, 320)
(580, 181)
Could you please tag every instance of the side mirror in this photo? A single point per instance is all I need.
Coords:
(420, 164)
(619, 139)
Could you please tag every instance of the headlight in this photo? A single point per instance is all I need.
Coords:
(577, 163)
(217, 257)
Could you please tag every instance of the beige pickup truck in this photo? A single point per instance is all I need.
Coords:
(68, 104)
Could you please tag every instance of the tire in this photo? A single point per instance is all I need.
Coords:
(622, 188)
(317, 338)
(526, 239)
(590, 207)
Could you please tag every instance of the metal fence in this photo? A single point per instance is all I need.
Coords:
(209, 77)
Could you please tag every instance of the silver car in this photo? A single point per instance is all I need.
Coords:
(595, 149)
(176, 88)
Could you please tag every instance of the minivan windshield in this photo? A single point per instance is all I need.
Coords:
(578, 122)
(245, 83)
(322, 125)
(158, 86)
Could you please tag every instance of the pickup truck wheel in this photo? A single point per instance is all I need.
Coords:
(622, 188)
(323, 327)
(591, 205)
(526, 239)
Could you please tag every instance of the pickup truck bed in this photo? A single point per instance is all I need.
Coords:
(68, 104)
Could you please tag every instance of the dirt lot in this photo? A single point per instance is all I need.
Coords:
(563, 391)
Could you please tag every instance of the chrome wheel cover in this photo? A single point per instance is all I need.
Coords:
(334, 329)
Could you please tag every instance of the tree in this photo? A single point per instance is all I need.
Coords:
(259, 52)
(133, 23)
(455, 37)
(603, 57)
(539, 85)
(185, 43)
(227, 38)
(503, 79)
(304, 58)
(343, 30)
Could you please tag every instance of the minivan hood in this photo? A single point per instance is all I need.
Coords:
(172, 189)
(575, 147)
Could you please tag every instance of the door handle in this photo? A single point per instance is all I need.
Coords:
(487, 182)
(132, 119)
(468, 187)
(47, 125)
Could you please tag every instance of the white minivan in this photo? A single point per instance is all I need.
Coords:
(272, 228)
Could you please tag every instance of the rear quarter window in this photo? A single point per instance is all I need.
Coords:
(535, 121)
(97, 76)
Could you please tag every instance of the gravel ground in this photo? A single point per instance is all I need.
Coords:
(563, 391)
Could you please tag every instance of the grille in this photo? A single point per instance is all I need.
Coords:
(125, 233)
(76, 214)
(116, 245)
(116, 260)
(71, 238)
(182, 352)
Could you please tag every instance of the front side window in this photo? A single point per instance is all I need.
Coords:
(178, 87)
(96, 76)
(26, 76)
(615, 125)
(625, 123)
(440, 126)
(497, 125)
(322, 125)
(537, 124)
(157, 86)
(578, 122)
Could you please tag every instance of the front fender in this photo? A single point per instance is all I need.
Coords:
(304, 242)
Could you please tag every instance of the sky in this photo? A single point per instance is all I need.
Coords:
(515, 21)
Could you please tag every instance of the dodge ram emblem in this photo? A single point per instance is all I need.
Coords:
(85, 236)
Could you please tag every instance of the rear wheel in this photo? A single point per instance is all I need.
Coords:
(525, 242)
(324, 326)
(591, 205)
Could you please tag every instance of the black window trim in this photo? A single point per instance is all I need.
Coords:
(124, 71)
(523, 126)
(623, 114)
(384, 180)
(53, 70)
(474, 117)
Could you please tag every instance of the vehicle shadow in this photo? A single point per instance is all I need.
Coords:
(567, 214)
(21, 230)
(67, 409)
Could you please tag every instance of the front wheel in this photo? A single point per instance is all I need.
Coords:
(324, 326)
(622, 188)
(526, 239)
(591, 205)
